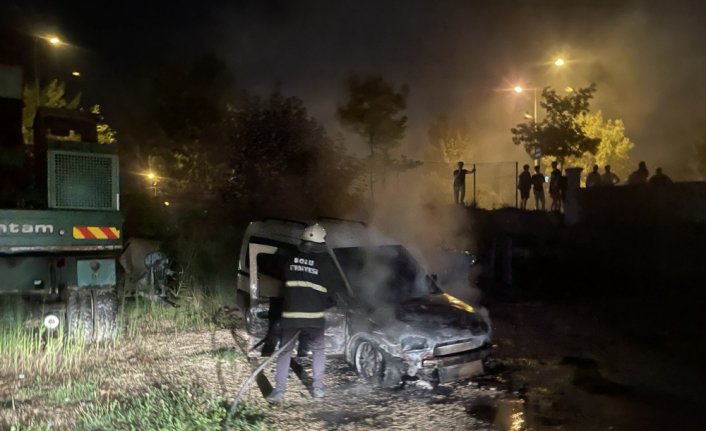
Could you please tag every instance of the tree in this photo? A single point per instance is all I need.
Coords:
(52, 95)
(614, 146)
(281, 160)
(106, 134)
(374, 111)
(189, 107)
(558, 135)
(451, 137)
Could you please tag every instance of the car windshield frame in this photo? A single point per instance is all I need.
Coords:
(367, 268)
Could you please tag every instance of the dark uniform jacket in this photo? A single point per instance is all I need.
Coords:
(309, 278)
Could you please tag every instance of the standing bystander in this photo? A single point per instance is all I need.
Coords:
(609, 178)
(524, 184)
(460, 183)
(594, 178)
(555, 187)
(640, 175)
(538, 181)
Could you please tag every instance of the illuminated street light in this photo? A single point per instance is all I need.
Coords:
(519, 89)
(559, 62)
(153, 179)
(54, 41)
(76, 73)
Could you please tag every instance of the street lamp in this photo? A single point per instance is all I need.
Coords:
(53, 41)
(153, 179)
(519, 89)
(76, 73)
(559, 62)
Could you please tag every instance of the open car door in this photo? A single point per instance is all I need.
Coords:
(266, 272)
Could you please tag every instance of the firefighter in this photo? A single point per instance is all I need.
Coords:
(309, 276)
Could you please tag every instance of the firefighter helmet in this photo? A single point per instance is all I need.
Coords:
(314, 233)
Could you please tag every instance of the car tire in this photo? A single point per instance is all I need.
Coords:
(368, 361)
(105, 314)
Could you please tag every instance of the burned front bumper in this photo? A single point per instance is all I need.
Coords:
(454, 366)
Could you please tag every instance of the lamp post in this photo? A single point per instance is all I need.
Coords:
(558, 62)
(53, 40)
(152, 179)
(519, 89)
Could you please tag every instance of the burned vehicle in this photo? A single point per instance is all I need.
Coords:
(391, 320)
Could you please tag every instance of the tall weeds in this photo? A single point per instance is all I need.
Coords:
(25, 351)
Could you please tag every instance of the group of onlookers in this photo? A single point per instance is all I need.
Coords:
(640, 176)
(535, 182)
(558, 182)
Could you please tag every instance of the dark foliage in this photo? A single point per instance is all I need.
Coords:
(558, 135)
(281, 160)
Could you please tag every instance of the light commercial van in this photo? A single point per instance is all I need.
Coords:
(392, 321)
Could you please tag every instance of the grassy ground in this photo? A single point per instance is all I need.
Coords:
(170, 368)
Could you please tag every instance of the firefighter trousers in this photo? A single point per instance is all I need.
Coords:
(314, 340)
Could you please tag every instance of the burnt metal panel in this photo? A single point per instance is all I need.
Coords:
(460, 371)
(456, 347)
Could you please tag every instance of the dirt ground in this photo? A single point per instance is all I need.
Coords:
(555, 367)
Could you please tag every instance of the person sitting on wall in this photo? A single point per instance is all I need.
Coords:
(594, 178)
(659, 178)
(609, 178)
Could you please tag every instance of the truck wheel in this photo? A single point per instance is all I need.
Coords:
(79, 314)
(105, 326)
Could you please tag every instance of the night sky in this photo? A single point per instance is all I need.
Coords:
(649, 60)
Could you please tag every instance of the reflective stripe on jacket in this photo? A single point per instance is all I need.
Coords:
(306, 290)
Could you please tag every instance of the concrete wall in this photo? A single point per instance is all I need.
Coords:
(644, 204)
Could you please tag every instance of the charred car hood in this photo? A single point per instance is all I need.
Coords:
(439, 312)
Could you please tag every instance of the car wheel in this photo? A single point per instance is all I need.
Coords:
(368, 361)
(250, 321)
